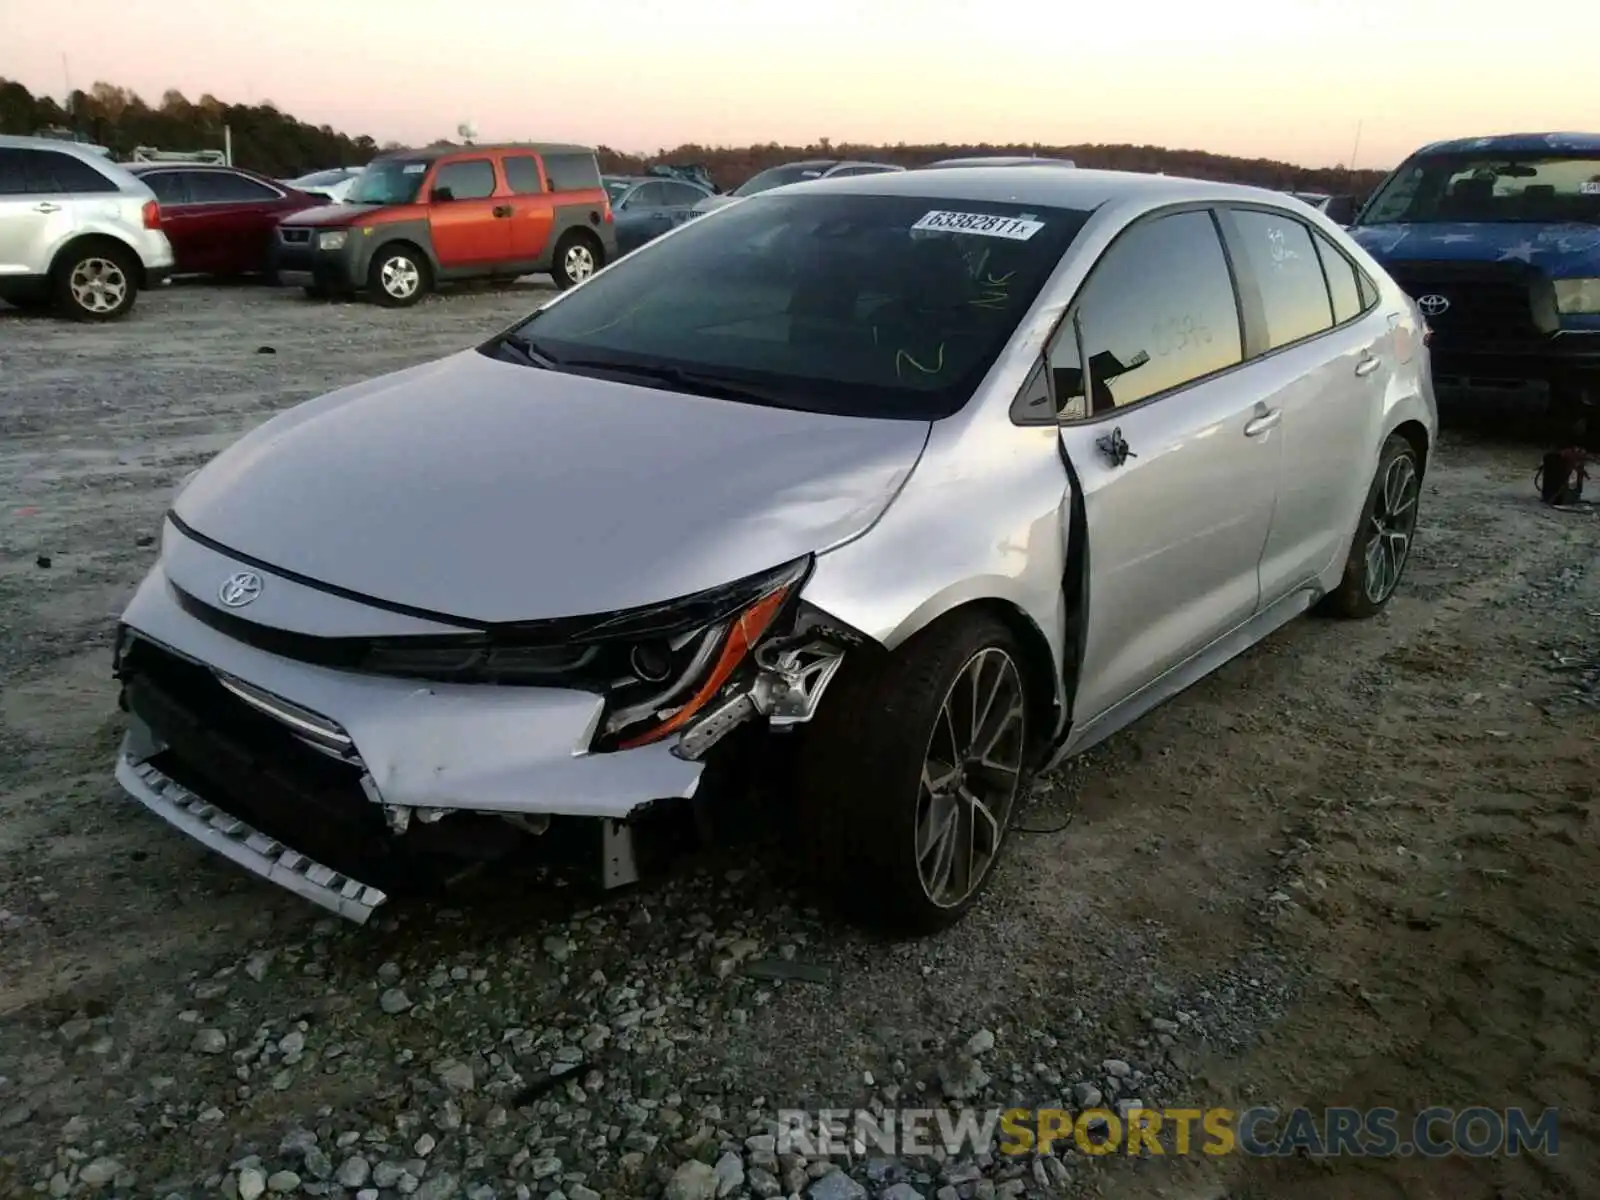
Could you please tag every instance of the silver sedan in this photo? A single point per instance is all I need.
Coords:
(859, 501)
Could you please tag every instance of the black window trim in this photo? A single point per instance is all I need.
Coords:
(186, 168)
(1063, 326)
(1226, 208)
(111, 186)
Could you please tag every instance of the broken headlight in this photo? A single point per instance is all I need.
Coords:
(657, 666)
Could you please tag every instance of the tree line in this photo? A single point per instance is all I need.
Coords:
(275, 143)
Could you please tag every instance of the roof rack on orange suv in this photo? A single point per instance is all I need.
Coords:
(417, 218)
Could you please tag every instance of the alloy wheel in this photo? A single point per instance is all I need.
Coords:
(578, 262)
(1394, 521)
(98, 285)
(970, 775)
(401, 277)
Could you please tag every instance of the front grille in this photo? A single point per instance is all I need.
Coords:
(248, 763)
(1498, 303)
(294, 237)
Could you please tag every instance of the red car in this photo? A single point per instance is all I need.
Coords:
(220, 220)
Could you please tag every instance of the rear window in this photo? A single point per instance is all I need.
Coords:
(874, 305)
(572, 172)
(1477, 187)
(778, 177)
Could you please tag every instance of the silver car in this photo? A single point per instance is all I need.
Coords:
(77, 231)
(861, 499)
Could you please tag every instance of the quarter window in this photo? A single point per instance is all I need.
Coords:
(1278, 252)
(1158, 312)
(1342, 285)
(571, 172)
(471, 179)
(522, 175)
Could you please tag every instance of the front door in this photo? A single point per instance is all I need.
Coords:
(1175, 457)
(1330, 355)
(469, 226)
(642, 215)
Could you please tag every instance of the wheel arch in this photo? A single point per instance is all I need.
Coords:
(82, 241)
(1416, 434)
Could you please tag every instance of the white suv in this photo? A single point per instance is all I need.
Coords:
(76, 230)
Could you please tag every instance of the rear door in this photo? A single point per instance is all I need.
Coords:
(1176, 471)
(1324, 357)
(234, 218)
(531, 213)
(470, 228)
(186, 222)
(679, 202)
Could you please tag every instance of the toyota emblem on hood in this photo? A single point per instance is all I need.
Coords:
(1433, 304)
(239, 589)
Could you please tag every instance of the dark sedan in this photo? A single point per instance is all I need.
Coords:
(646, 206)
(220, 220)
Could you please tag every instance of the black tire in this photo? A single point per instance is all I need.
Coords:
(32, 303)
(392, 266)
(860, 774)
(1353, 599)
(95, 281)
(578, 255)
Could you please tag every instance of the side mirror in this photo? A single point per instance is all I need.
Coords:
(442, 195)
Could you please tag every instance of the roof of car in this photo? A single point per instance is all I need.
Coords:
(1518, 143)
(432, 152)
(1004, 160)
(1080, 189)
(15, 141)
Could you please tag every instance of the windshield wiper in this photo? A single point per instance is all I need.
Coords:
(697, 383)
(524, 352)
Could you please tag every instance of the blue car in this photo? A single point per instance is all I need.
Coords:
(646, 206)
(1497, 239)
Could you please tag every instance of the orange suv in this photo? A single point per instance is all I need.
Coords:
(417, 218)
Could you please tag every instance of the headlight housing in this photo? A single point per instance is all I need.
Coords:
(657, 666)
(332, 241)
(1576, 297)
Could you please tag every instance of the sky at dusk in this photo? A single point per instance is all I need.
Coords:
(1286, 79)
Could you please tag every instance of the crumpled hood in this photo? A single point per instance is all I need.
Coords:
(494, 492)
(1563, 251)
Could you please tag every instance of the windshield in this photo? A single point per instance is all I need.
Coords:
(777, 177)
(1474, 187)
(891, 306)
(392, 181)
(616, 187)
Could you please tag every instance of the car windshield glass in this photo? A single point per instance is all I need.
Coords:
(393, 181)
(778, 177)
(1479, 187)
(616, 187)
(891, 306)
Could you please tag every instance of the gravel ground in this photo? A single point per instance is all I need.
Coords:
(1353, 867)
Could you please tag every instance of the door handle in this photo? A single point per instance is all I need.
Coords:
(46, 207)
(1267, 420)
(1367, 365)
(502, 210)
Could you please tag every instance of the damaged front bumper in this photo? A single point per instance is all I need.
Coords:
(234, 745)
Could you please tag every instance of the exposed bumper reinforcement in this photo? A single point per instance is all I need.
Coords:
(251, 849)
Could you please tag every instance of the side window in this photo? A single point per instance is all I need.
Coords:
(1342, 285)
(1158, 311)
(1369, 290)
(648, 195)
(53, 172)
(1279, 255)
(470, 179)
(680, 195)
(522, 174)
(224, 187)
(571, 172)
(169, 186)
